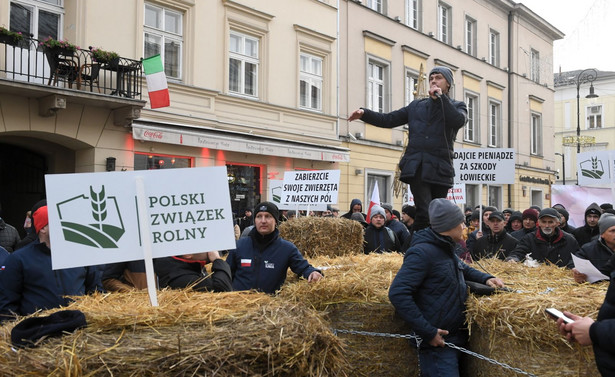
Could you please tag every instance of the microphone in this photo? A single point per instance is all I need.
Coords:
(437, 94)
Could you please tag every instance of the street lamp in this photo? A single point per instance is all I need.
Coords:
(563, 168)
(588, 75)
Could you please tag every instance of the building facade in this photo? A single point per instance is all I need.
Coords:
(253, 86)
(264, 87)
(594, 118)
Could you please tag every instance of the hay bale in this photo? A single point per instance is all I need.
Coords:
(513, 327)
(190, 333)
(324, 236)
(354, 296)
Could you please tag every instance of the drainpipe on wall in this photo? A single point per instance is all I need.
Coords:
(510, 94)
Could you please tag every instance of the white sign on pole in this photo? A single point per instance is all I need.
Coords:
(596, 168)
(94, 217)
(310, 188)
(485, 166)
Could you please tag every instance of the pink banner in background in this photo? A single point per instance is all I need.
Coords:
(577, 198)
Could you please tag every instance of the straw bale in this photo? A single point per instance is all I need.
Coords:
(324, 236)
(513, 327)
(190, 333)
(354, 296)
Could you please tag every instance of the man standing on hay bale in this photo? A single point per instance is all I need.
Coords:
(427, 163)
(429, 291)
(262, 259)
(600, 333)
(27, 282)
(548, 243)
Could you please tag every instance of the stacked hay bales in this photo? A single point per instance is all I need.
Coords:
(324, 236)
(190, 333)
(514, 329)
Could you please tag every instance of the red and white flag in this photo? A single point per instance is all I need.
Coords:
(246, 262)
(375, 200)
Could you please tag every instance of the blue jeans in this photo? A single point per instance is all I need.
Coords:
(439, 362)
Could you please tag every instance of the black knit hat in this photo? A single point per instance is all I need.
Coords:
(409, 210)
(267, 207)
(27, 332)
(516, 215)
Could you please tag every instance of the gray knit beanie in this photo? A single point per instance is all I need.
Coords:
(376, 210)
(445, 71)
(606, 221)
(444, 215)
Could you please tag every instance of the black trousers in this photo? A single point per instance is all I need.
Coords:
(424, 193)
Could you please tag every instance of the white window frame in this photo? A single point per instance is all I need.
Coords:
(494, 196)
(444, 22)
(535, 65)
(378, 100)
(536, 134)
(495, 122)
(471, 129)
(163, 37)
(413, 14)
(37, 6)
(536, 194)
(244, 59)
(593, 120)
(470, 36)
(311, 74)
(376, 5)
(494, 48)
(384, 189)
(472, 199)
(411, 80)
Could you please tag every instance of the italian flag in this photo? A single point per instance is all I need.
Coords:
(156, 82)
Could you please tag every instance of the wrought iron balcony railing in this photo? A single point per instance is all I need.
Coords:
(27, 61)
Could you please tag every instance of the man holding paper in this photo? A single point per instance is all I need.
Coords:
(600, 250)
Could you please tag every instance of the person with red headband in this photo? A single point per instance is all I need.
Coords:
(27, 282)
(189, 271)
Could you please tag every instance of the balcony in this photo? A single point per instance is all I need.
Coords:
(30, 71)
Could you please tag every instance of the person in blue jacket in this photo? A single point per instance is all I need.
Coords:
(427, 164)
(429, 291)
(262, 259)
(27, 282)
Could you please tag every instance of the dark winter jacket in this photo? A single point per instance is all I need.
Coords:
(3, 255)
(602, 333)
(28, 283)
(432, 129)
(124, 276)
(379, 240)
(557, 249)
(9, 236)
(429, 291)
(31, 236)
(175, 272)
(494, 245)
(519, 234)
(354, 202)
(596, 252)
(255, 265)
(400, 229)
(585, 233)
(472, 236)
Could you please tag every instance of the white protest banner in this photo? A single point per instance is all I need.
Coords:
(485, 166)
(317, 187)
(457, 195)
(596, 168)
(94, 217)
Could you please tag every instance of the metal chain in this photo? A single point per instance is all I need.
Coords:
(419, 340)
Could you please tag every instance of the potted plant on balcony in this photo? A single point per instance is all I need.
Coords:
(58, 47)
(10, 37)
(104, 57)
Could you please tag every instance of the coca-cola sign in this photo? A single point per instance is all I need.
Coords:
(152, 134)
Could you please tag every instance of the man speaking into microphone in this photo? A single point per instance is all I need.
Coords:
(433, 122)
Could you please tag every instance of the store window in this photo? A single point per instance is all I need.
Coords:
(245, 186)
(145, 161)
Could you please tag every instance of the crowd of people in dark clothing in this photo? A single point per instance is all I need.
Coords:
(261, 258)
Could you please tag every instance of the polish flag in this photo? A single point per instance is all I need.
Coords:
(246, 262)
(375, 200)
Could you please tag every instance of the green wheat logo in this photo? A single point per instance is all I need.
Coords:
(592, 168)
(100, 227)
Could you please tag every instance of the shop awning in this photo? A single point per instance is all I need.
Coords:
(237, 142)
